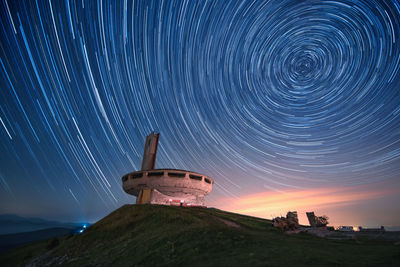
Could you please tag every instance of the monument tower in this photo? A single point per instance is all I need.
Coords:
(165, 186)
(150, 152)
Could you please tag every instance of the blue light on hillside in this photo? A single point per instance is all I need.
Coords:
(82, 229)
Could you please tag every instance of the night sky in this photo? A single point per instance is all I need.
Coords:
(288, 105)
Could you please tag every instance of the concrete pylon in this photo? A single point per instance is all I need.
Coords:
(144, 196)
(150, 152)
(311, 219)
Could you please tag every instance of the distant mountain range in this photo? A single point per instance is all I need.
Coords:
(11, 224)
(16, 231)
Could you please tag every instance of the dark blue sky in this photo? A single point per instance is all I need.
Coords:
(266, 97)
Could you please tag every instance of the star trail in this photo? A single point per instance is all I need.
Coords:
(263, 96)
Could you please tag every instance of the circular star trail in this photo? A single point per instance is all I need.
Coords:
(256, 94)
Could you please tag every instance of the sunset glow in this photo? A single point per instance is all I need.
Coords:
(324, 201)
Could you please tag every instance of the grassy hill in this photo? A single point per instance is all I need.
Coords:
(149, 235)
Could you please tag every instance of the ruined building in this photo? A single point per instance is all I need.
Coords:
(291, 222)
(316, 221)
(165, 186)
(292, 217)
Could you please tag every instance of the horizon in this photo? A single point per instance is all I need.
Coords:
(302, 220)
(287, 105)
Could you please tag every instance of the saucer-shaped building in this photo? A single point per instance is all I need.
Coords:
(165, 186)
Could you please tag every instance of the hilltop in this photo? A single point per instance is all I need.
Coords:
(151, 235)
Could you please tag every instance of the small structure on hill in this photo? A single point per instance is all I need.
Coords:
(291, 222)
(292, 217)
(165, 186)
(317, 221)
(345, 228)
(372, 230)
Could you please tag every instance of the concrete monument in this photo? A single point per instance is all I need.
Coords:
(165, 186)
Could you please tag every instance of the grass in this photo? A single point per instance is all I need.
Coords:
(150, 235)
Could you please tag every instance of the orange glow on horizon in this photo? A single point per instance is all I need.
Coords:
(323, 201)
